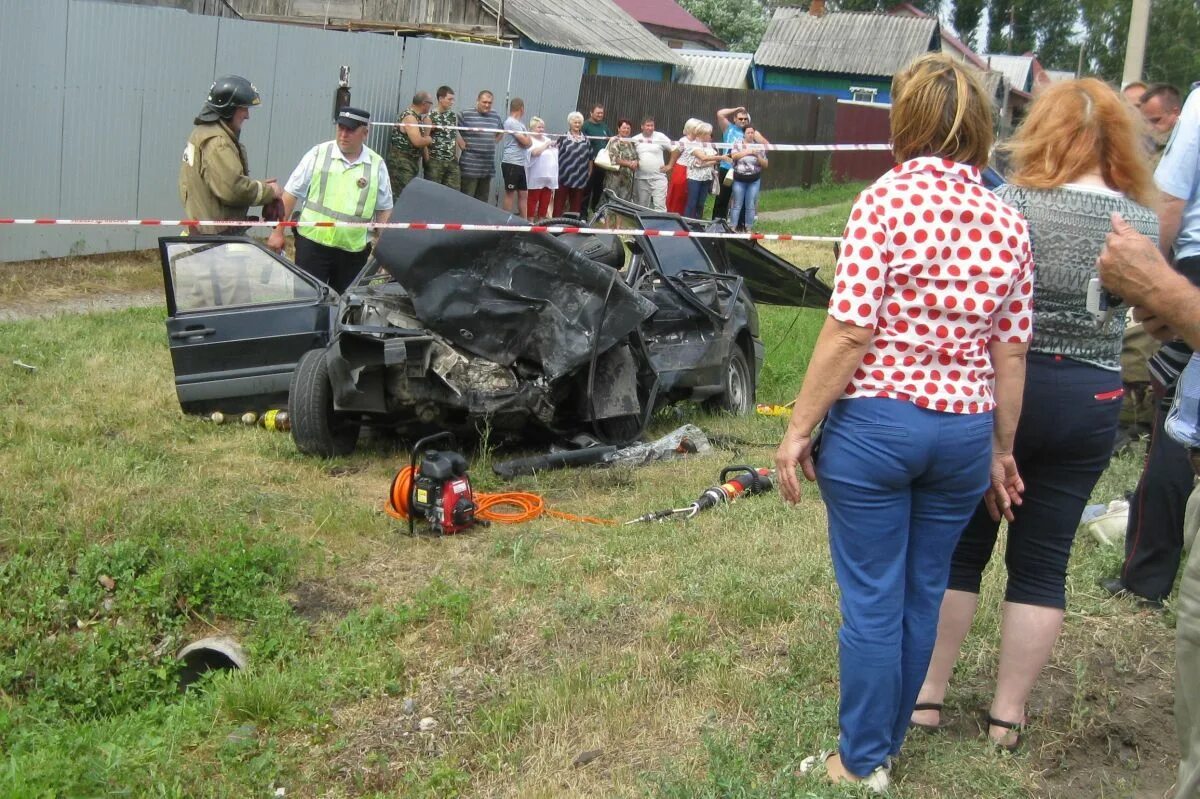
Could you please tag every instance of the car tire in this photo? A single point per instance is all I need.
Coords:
(317, 428)
(737, 386)
(619, 430)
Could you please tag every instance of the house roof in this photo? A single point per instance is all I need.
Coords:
(712, 68)
(1017, 68)
(952, 41)
(664, 13)
(845, 43)
(592, 27)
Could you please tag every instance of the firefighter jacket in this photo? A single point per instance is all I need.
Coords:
(213, 182)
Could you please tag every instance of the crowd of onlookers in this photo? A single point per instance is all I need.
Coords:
(546, 175)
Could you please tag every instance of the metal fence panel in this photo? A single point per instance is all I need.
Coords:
(784, 117)
(107, 93)
(33, 62)
(177, 66)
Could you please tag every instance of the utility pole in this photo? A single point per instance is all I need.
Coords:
(1135, 46)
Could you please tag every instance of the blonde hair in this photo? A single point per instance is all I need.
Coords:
(940, 108)
(533, 123)
(1074, 127)
(703, 129)
(691, 126)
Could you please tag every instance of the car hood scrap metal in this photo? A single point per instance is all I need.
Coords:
(506, 296)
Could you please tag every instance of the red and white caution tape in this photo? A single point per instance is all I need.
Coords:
(452, 226)
(802, 148)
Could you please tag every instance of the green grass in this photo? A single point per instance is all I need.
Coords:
(812, 197)
(700, 657)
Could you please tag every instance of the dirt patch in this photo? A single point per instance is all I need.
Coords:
(16, 310)
(792, 214)
(314, 600)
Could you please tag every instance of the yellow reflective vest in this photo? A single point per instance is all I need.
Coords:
(340, 192)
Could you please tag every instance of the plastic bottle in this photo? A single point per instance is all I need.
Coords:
(249, 418)
(219, 418)
(277, 420)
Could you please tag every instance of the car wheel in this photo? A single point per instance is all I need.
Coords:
(619, 430)
(317, 428)
(737, 394)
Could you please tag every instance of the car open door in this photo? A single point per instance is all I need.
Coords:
(239, 317)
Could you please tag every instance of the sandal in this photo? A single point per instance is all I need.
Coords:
(919, 706)
(876, 782)
(1016, 726)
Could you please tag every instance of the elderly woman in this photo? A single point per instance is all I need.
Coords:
(700, 161)
(677, 188)
(623, 154)
(918, 373)
(1078, 160)
(541, 173)
(574, 167)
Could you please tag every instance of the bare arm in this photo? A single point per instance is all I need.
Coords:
(1135, 270)
(723, 115)
(415, 135)
(275, 240)
(839, 350)
(1008, 388)
(1170, 219)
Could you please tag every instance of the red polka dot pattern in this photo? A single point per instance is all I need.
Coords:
(940, 267)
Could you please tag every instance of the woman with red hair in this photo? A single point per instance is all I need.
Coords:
(1078, 159)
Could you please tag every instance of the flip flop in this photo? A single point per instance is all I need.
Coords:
(1016, 726)
(928, 727)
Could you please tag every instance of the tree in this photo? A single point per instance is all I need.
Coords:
(931, 7)
(1044, 27)
(739, 23)
(1170, 53)
(967, 15)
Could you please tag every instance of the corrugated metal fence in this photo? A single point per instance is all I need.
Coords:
(99, 100)
(781, 116)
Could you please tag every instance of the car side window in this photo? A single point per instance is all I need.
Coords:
(675, 255)
(228, 273)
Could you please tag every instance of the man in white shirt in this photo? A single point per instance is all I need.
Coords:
(656, 157)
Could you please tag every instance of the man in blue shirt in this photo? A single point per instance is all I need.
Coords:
(732, 123)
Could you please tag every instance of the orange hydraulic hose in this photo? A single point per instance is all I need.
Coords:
(488, 506)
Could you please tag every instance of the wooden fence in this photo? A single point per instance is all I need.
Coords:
(784, 117)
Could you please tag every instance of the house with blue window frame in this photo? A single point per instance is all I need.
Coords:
(850, 55)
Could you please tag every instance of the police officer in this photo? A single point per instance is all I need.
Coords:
(213, 182)
(337, 181)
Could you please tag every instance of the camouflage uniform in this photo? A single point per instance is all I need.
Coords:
(442, 166)
(403, 158)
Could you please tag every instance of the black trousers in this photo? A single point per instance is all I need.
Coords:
(721, 205)
(595, 190)
(1154, 535)
(336, 268)
(1064, 440)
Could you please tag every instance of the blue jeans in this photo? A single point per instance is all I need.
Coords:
(899, 484)
(698, 191)
(745, 195)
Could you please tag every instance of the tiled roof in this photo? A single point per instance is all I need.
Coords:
(666, 13)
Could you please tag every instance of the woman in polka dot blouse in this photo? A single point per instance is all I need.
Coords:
(918, 373)
(1078, 160)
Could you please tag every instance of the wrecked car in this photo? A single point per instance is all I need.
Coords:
(448, 329)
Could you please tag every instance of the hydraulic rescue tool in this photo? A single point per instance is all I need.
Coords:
(749, 480)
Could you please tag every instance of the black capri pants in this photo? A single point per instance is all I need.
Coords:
(1063, 444)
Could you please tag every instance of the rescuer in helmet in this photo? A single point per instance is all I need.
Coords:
(213, 178)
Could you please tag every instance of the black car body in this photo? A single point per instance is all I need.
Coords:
(444, 329)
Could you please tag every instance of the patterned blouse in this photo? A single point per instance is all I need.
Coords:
(939, 268)
(574, 156)
(1067, 226)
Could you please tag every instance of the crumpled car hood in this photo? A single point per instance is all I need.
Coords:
(505, 296)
